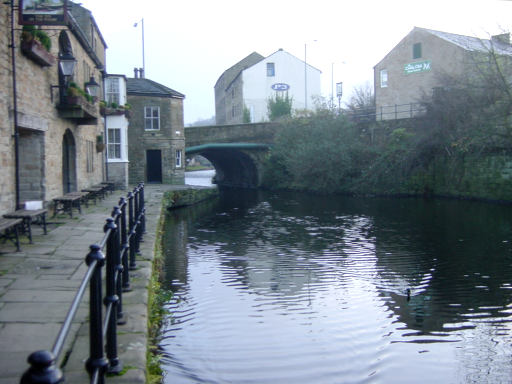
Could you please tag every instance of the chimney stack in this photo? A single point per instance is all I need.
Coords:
(136, 72)
(141, 73)
(504, 38)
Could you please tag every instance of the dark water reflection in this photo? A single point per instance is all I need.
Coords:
(292, 288)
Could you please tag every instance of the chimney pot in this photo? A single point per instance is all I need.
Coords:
(136, 72)
(141, 73)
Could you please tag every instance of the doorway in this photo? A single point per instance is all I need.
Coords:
(68, 163)
(154, 165)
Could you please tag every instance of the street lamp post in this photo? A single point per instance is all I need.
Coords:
(332, 85)
(306, 75)
(305, 78)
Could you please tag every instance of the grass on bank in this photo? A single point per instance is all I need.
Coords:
(157, 297)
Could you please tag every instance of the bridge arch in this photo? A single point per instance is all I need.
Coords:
(236, 164)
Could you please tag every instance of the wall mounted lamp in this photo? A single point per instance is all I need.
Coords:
(92, 88)
(67, 65)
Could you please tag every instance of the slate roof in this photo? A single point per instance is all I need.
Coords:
(472, 43)
(230, 74)
(146, 87)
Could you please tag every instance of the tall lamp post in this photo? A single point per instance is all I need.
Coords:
(143, 56)
(306, 75)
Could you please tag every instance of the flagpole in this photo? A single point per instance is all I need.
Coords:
(143, 55)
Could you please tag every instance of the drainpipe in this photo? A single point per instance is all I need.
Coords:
(103, 76)
(15, 111)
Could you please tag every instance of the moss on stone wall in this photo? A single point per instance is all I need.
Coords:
(185, 197)
(486, 176)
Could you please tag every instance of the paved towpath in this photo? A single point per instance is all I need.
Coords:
(38, 284)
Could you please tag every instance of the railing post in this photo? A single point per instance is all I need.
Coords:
(136, 199)
(42, 369)
(111, 299)
(118, 277)
(131, 223)
(97, 360)
(143, 207)
(124, 246)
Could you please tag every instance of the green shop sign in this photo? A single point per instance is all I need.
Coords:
(418, 67)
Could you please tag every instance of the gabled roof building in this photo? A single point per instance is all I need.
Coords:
(156, 136)
(252, 81)
(417, 64)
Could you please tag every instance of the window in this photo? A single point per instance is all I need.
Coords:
(383, 78)
(90, 156)
(178, 158)
(87, 71)
(271, 70)
(112, 90)
(151, 118)
(114, 143)
(416, 51)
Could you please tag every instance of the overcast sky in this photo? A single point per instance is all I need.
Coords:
(188, 44)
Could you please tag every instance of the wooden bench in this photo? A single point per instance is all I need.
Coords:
(9, 230)
(37, 216)
(95, 192)
(109, 186)
(67, 202)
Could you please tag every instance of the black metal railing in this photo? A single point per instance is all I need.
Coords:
(387, 112)
(121, 240)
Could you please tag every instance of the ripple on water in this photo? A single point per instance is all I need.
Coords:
(286, 296)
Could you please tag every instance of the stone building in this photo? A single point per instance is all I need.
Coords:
(156, 136)
(252, 81)
(48, 128)
(417, 65)
(225, 103)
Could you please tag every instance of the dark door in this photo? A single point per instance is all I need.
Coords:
(154, 165)
(68, 163)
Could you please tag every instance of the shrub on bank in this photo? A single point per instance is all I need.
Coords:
(326, 152)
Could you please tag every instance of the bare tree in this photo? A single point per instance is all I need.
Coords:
(472, 111)
(361, 106)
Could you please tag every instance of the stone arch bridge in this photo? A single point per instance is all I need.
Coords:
(236, 151)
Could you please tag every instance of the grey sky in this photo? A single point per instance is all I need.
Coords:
(188, 44)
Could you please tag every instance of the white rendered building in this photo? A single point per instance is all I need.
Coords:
(116, 128)
(251, 82)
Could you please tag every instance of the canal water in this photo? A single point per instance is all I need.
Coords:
(294, 288)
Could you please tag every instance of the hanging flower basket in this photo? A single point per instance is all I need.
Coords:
(35, 51)
(100, 145)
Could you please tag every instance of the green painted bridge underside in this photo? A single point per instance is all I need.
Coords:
(221, 146)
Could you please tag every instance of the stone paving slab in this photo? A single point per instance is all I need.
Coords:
(38, 284)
